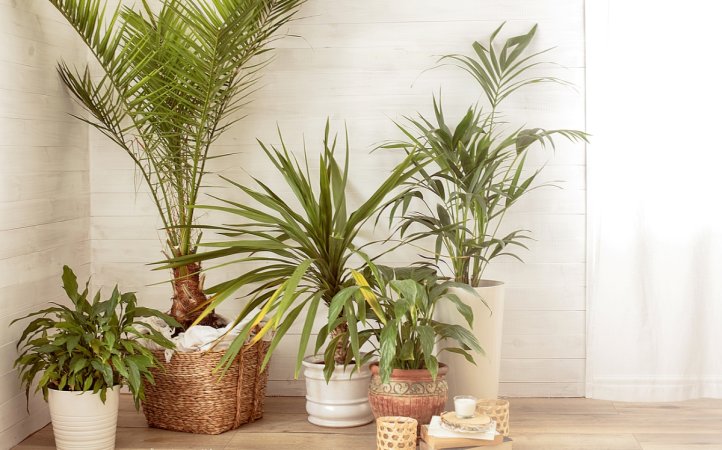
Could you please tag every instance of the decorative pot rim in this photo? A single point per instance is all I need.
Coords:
(411, 374)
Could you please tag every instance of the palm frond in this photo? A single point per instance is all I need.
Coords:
(171, 84)
(475, 166)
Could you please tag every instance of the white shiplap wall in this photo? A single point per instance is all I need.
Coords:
(44, 188)
(363, 64)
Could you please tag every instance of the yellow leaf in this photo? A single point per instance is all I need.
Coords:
(368, 295)
(264, 311)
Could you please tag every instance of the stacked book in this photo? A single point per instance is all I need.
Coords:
(437, 436)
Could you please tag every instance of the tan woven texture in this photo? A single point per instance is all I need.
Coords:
(396, 432)
(498, 410)
(188, 396)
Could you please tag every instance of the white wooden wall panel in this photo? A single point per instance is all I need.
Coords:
(44, 188)
(363, 64)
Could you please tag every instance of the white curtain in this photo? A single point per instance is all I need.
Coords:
(654, 100)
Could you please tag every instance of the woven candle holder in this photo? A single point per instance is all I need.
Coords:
(396, 432)
(498, 410)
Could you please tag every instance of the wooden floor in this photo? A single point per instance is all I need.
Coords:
(536, 424)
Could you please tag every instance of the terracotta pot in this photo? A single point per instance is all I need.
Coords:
(409, 393)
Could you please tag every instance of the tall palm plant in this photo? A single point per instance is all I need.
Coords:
(476, 167)
(169, 82)
(302, 246)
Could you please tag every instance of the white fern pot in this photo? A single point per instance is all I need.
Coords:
(82, 421)
(480, 380)
(343, 402)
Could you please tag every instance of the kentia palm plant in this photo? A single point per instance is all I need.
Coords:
(302, 247)
(477, 166)
(169, 82)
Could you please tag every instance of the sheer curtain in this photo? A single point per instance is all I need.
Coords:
(654, 329)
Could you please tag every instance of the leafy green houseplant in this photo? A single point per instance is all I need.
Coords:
(169, 83)
(81, 355)
(302, 247)
(91, 346)
(399, 305)
(475, 172)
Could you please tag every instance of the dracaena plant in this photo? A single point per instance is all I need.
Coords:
(90, 346)
(396, 307)
(476, 166)
(302, 246)
(167, 85)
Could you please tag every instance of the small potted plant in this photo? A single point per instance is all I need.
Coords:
(475, 172)
(408, 379)
(83, 354)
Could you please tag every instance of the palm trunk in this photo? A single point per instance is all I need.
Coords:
(341, 352)
(189, 301)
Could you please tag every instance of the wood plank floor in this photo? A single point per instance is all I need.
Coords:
(536, 424)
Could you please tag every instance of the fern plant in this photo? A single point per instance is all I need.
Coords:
(169, 83)
(475, 168)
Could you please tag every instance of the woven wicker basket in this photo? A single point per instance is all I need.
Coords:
(396, 433)
(188, 396)
(498, 410)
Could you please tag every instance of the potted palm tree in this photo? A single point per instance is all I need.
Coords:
(83, 354)
(302, 246)
(475, 173)
(408, 379)
(169, 82)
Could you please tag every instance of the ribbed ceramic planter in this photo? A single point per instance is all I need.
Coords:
(82, 421)
(343, 402)
(480, 380)
(409, 393)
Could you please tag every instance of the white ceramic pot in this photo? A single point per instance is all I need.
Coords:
(82, 421)
(343, 402)
(482, 380)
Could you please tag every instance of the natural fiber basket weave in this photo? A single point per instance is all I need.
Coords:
(396, 432)
(188, 396)
(498, 410)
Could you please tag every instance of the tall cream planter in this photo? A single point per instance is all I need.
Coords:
(482, 379)
(82, 421)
